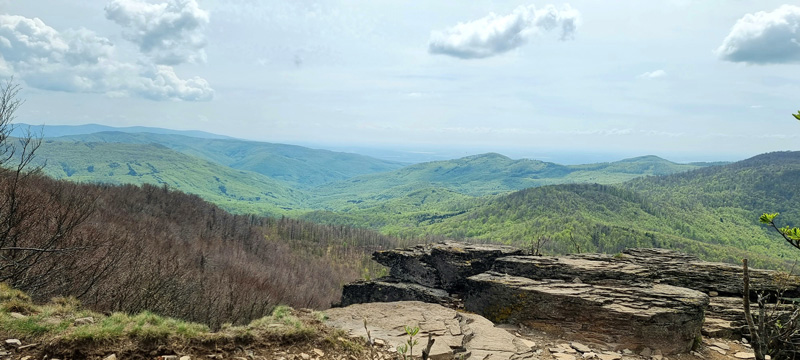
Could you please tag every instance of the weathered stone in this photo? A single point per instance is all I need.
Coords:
(592, 269)
(721, 345)
(646, 352)
(744, 355)
(385, 321)
(563, 356)
(660, 316)
(17, 315)
(609, 356)
(111, 357)
(678, 269)
(580, 347)
(390, 290)
(445, 265)
(648, 265)
(84, 321)
(723, 352)
(13, 342)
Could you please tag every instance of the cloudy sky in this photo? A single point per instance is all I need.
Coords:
(684, 79)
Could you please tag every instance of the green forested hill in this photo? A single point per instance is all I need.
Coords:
(708, 210)
(712, 212)
(300, 166)
(486, 174)
(236, 190)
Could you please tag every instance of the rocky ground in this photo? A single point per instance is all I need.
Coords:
(461, 335)
(330, 342)
(341, 335)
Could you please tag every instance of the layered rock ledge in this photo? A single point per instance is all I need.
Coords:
(641, 297)
(657, 316)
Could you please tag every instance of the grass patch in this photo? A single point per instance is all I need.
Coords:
(283, 323)
(55, 322)
(7, 293)
(31, 326)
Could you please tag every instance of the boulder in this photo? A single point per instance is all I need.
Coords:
(630, 315)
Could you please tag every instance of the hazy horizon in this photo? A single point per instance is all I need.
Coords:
(421, 153)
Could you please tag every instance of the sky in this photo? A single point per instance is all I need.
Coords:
(689, 80)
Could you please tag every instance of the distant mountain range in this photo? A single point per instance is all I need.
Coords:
(300, 178)
(706, 208)
(296, 165)
(64, 130)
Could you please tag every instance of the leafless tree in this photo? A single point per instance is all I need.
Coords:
(34, 225)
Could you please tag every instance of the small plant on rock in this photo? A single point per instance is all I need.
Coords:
(409, 345)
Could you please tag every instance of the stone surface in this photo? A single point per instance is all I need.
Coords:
(13, 342)
(453, 332)
(721, 345)
(580, 347)
(390, 290)
(648, 265)
(17, 315)
(624, 291)
(665, 317)
(84, 321)
(444, 265)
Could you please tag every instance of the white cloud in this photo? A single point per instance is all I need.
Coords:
(494, 34)
(764, 38)
(171, 32)
(653, 74)
(161, 83)
(78, 60)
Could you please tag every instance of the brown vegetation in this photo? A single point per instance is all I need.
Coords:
(129, 248)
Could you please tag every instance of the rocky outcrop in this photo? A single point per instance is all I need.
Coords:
(443, 265)
(427, 273)
(658, 316)
(642, 297)
(648, 265)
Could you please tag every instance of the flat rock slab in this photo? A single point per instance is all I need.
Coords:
(658, 316)
(648, 265)
(455, 333)
(390, 290)
(443, 265)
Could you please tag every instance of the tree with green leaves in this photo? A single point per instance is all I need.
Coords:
(773, 333)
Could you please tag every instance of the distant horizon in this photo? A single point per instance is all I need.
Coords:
(423, 153)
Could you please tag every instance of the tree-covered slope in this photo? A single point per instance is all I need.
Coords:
(300, 166)
(117, 163)
(712, 212)
(486, 174)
